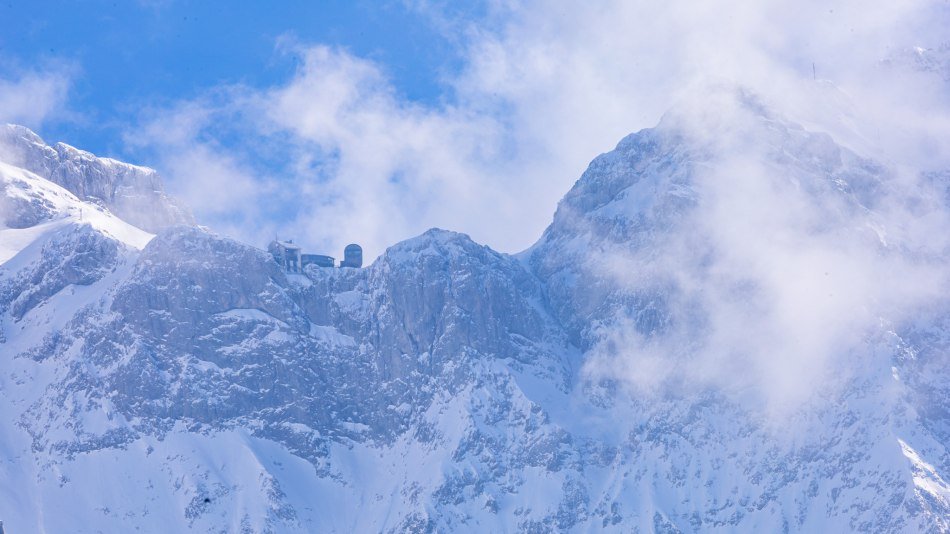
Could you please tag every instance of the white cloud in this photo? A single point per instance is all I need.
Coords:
(31, 97)
(220, 184)
(397, 167)
(782, 281)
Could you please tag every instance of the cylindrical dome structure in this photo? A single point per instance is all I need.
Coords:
(352, 256)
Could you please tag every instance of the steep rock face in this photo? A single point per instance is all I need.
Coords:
(202, 330)
(23, 211)
(81, 256)
(629, 197)
(135, 194)
(665, 236)
(442, 294)
(211, 334)
(654, 197)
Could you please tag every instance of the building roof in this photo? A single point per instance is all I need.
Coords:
(288, 245)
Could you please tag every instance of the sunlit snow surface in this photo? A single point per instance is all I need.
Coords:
(63, 209)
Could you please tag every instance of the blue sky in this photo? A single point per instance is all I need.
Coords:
(334, 122)
(127, 54)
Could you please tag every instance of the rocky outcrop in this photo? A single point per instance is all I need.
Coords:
(80, 256)
(135, 194)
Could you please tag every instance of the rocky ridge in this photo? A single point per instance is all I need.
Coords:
(135, 194)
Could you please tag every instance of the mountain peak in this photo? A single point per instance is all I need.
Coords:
(133, 193)
(433, 242)
(8, 131)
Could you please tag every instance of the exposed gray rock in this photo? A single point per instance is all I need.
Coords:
(80, 256)
(135, 194)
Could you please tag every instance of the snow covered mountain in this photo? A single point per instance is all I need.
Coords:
(133, 193)
(733, 323)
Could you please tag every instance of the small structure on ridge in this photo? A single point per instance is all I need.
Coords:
(286, 254)
(352, 256)
(317, 259)
(291, 259)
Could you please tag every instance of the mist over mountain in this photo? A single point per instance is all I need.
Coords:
(135, 194)
(734, 322)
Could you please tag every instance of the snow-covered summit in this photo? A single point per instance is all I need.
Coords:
(670, 200)
(437, 243)
(31, 206)
(133, 193)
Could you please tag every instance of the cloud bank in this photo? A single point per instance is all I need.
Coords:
(788, 274)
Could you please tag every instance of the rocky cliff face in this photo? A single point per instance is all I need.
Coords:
(586, 384)
(135, 194)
